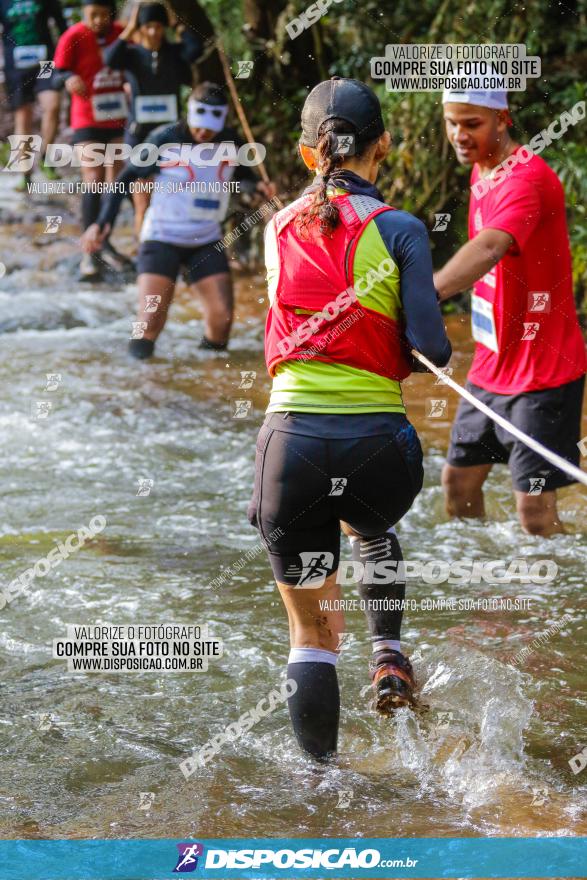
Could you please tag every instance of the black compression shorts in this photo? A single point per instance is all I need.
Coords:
(312, 471)
(161, 258)
(22, 86)
(93, 134)
(551, 416)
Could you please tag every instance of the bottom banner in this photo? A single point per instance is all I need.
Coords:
(293, 857)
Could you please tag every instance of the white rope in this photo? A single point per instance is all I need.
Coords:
(548, 454)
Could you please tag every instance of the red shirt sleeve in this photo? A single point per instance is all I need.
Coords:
(515, 209)
(65, 52)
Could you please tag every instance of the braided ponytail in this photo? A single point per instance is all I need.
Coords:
(322, 212)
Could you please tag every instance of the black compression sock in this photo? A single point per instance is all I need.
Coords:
(90, 208)
(141, 348)
(213, 346)
(384, 623)
(314, 709)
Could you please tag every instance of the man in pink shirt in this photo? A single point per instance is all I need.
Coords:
(529, 363)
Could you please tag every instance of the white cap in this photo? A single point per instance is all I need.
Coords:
(495, 99)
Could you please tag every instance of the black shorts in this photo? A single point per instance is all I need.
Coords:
(162, 258)
(22, 86)
(551, 416)
(94, 135)
(312, 471)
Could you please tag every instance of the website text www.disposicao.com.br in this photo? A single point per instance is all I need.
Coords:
(329, 859)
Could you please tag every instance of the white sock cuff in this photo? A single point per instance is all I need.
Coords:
(382, 644)
(312, 655)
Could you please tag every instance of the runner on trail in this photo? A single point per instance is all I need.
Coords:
(28, 43)
(529, 364)
(350, 287)
(98, 110)
(156, 70)
(182, 227)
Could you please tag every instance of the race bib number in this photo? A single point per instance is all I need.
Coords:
(209, 207)
(109, 106)
(29, 56)
(483, 322)
(155, 108)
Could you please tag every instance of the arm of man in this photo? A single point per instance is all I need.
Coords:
(165, 134)
(406, 239)
(472, 262)
(65, 61)
(119, 55)
(61, 76)
(514, 215)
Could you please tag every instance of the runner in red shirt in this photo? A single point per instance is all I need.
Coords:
(529, 362)
(98, 107)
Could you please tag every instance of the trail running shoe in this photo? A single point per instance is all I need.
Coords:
(393, 680)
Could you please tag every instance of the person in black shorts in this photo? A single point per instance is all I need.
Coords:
(182, 227)
(350, 286)
(28, 53)
(530, 362)
(476, 440)
(155, 69)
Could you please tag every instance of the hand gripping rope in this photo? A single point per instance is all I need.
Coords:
(548, 454)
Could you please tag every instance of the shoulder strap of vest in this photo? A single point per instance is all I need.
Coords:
(356, 211)
(286, 215)
(366, 209)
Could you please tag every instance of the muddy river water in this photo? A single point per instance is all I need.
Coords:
(154, 448)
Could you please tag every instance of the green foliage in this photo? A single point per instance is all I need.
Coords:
(421, 174)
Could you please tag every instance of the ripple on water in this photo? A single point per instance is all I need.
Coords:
(467, 762)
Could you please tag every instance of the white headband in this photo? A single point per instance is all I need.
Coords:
(206, 115)
(495, 99)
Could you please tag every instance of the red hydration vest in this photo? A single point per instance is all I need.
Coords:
(316, 275)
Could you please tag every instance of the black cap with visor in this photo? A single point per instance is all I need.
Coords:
(340, 98)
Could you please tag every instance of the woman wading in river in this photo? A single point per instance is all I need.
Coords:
(350, 286)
